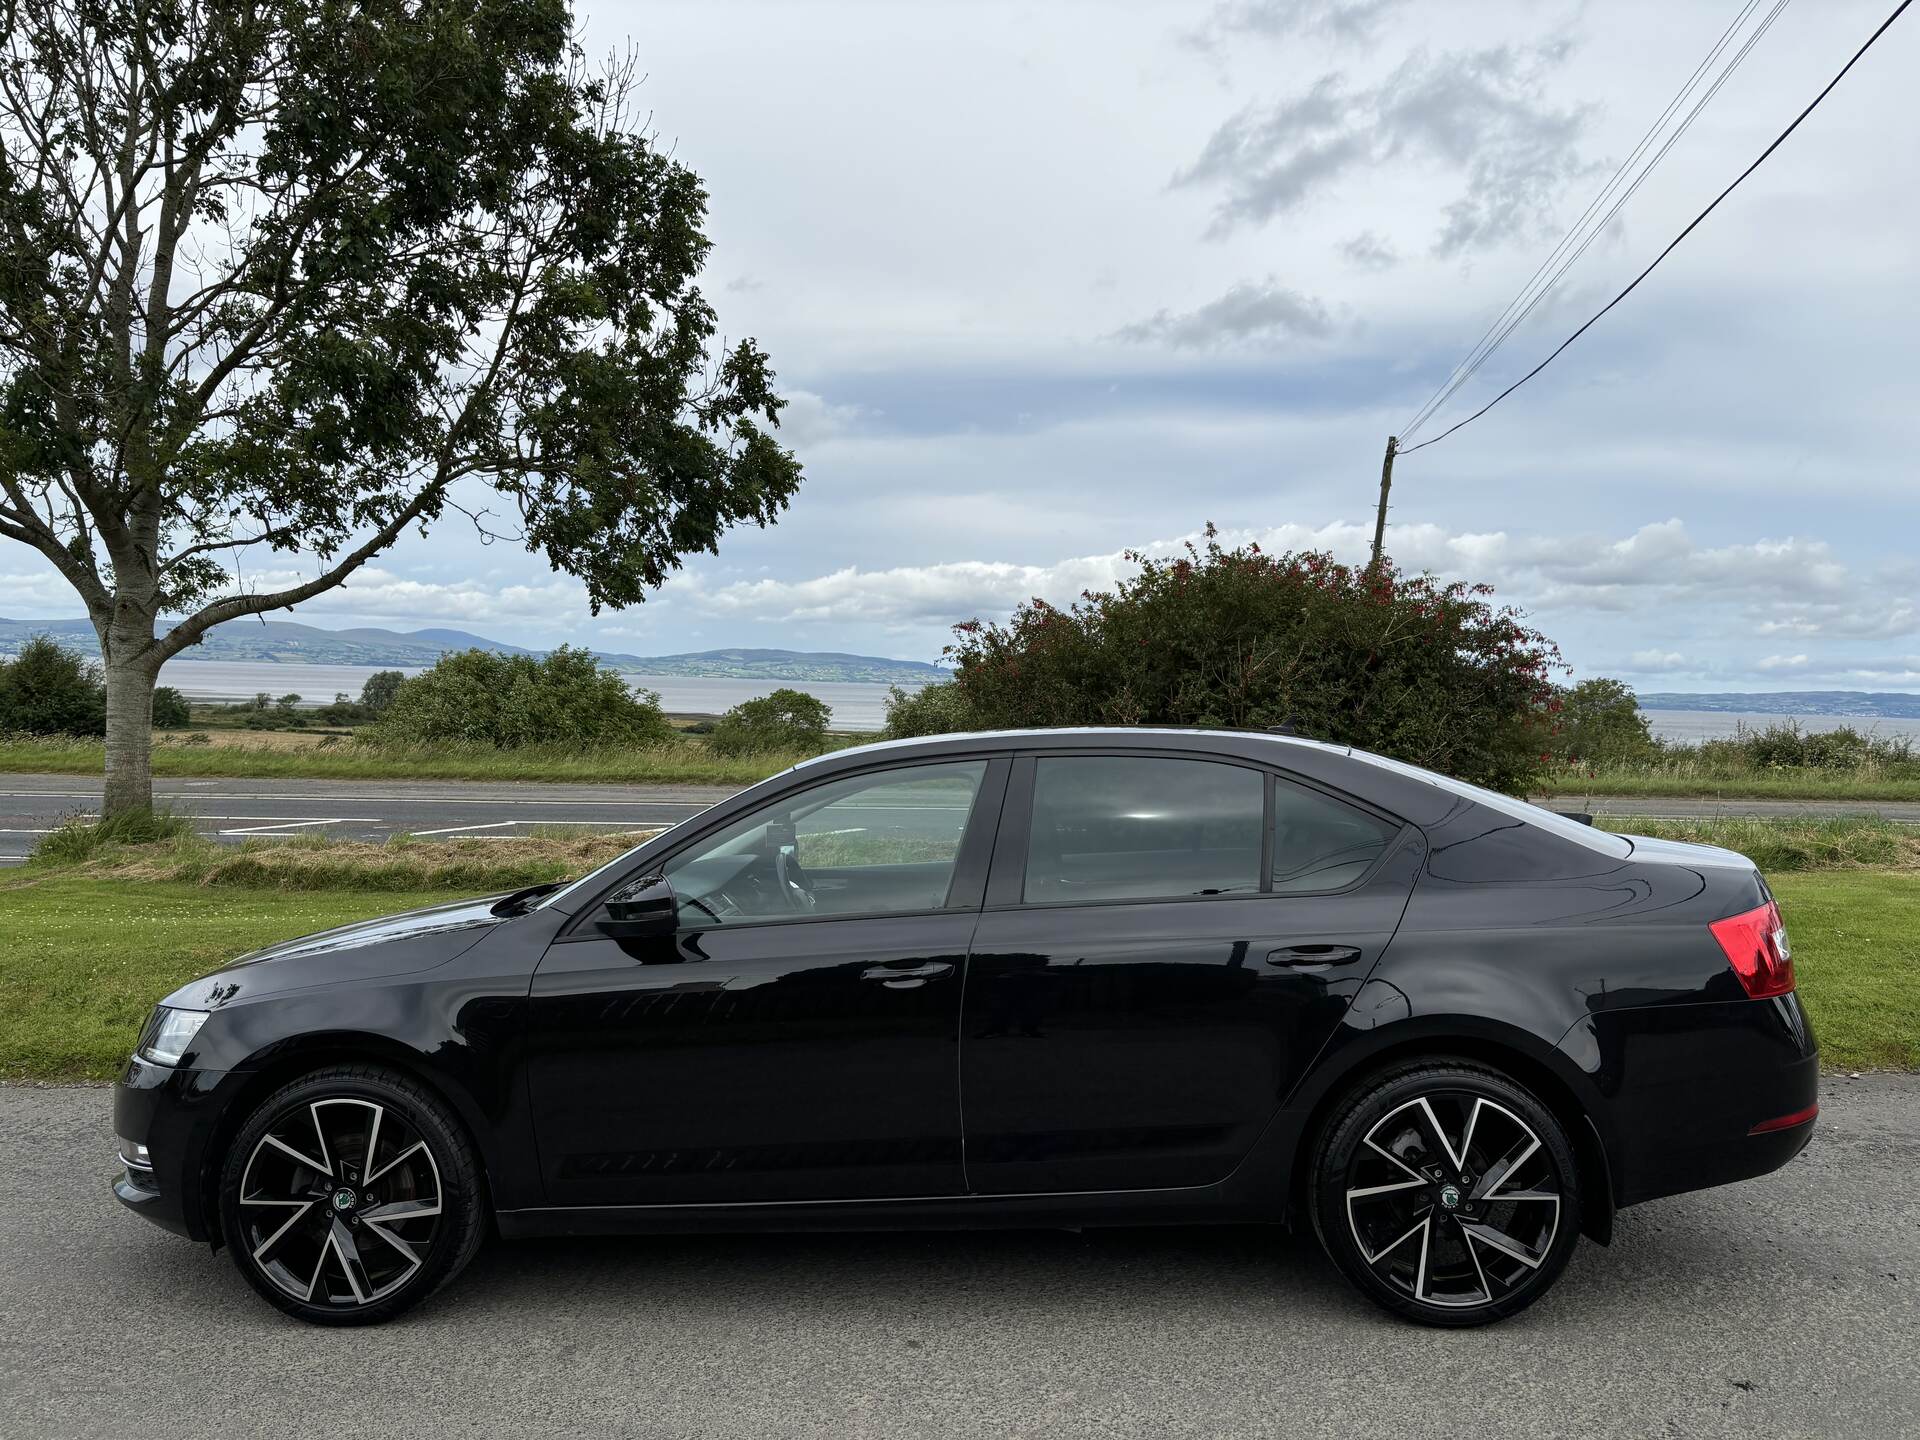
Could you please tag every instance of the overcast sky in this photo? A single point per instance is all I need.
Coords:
(1045, 282)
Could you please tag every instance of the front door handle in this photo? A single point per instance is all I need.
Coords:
(1300, 957)
(910, 977)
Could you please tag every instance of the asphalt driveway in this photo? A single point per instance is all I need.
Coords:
(1790, 1305)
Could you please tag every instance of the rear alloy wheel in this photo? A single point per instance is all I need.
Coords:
(1447, 1193)
(349, 1196)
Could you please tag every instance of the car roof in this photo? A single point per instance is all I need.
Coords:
(1172, 737)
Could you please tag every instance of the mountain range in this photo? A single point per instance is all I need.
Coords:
(287, 642)
(1877, 705)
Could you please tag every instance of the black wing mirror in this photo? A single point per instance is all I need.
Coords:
(643, 910)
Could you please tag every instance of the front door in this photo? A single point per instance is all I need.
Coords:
(1166, 945)
(796, 1040)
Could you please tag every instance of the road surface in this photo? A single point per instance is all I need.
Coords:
(31, 805)
(1786, 1306)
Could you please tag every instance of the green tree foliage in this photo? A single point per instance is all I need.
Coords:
(170, 710)
(377, 694)
(936, 709)
(1404, 665)
(785, 720)
(476, 697)
(275, 279)
(1598, 722)
(48, 689)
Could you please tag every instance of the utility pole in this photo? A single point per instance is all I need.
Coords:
(1380, 519)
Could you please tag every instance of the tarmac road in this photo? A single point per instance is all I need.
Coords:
(30, 805)
(1786, 1306)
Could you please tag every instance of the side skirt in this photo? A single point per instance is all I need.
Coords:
(1199, 1205)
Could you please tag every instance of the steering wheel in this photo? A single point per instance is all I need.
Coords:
(795, 887)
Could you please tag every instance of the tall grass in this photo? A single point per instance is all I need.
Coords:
(1786, 845)
(1779, 760)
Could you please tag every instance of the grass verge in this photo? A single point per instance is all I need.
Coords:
(1856, 954)
(686, 762)
(88, 953)
(1789, 845)
(86, 957)
(1761, 785)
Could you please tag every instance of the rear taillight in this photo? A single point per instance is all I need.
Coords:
(1756, 946)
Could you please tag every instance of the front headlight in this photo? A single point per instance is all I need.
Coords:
(168, 1034)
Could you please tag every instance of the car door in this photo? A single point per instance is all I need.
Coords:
(1167, 942)
(796, 1038)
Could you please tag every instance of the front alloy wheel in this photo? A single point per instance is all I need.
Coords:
(349, 1196)
(1447, 1194)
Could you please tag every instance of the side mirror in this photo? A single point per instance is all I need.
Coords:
(643, 910)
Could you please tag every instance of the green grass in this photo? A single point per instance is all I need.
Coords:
(686, 762)
(1780, 846)
(87, 954)
(1759, 785)
(85, 958)
(1856, 954)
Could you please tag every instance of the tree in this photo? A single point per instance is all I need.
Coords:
(1598, 722)
(789, 720)
(48, 689)
(170, 709)
(299, 276)
(1404, 665)
(377, 694)
(479, 697)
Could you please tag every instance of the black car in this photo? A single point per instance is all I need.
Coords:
(1058, 977)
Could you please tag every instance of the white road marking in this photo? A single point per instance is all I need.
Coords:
(462, 829)
(363, 799)
(296, 824)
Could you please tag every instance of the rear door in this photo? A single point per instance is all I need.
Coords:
(1167, 942)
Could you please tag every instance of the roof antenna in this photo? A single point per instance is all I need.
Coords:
(1288, 726)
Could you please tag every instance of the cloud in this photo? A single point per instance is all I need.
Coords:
(1369, 251)
(1347, 20)
(1773, 663)
(1655, 662)
(1248, 311)
(1482, 114)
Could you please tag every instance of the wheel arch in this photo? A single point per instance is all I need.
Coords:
(284, 1062)
(1515, 1052)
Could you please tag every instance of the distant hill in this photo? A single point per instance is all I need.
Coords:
(1867, 704)
(287, 642)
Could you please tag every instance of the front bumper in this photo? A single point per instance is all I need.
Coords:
(171, 1112)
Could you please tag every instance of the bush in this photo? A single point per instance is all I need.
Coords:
(786, 720)
(377, 694)
(170, 709)
(476, 697)
(1785, 746)
(48, 689)
(1598, 722)
(1404, 665)
(936, 709)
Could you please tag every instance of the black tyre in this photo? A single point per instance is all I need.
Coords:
(1446, 1193)
(350, 1196)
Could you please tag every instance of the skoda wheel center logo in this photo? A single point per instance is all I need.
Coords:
(1449, 1197)
(343, 1200)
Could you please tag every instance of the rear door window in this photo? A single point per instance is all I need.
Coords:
(1320, 843)
(1134, 827)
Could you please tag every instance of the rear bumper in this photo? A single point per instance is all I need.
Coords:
(171, 1112)
(1686, 1085)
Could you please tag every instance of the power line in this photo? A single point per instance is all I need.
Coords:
(1475, 357)
(1674, 244)
(1600, 228)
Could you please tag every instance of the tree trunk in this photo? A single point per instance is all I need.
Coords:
(129, 735)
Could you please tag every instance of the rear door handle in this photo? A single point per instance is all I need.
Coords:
(1303, 956)
(910, 977)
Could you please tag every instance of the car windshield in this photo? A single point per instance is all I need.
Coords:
(589, 882)
(1603, 841)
